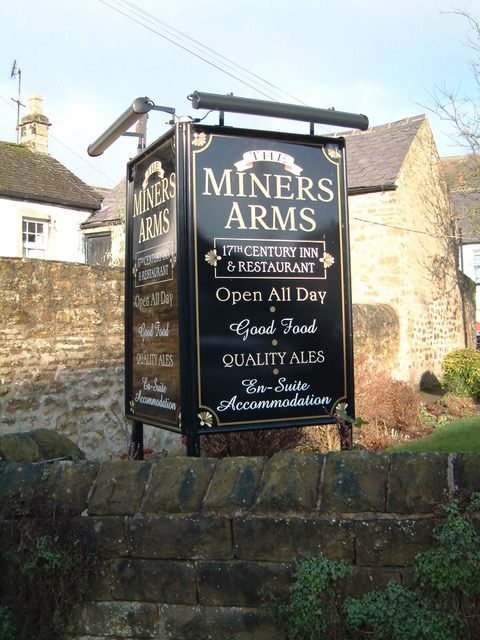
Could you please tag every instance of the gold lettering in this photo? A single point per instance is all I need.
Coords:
(141, 235)
(257, 217)
(306, 218)
(283, 223)
(154, 226)
(265, 189)
(279, 179)
(322, 187)
(304, 186)
(210, 178)
(137, 204)
(235, 216)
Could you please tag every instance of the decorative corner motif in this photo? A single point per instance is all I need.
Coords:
(173, 260)
(327, 259)
(206, 418)
(333, 151)
(135, 270)
(132, 406)
(212, 258)
(199, 139)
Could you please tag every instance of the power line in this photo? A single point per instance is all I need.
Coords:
(221, 63)
(182, 47)
(393, 226)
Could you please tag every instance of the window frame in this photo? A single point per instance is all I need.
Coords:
(32, 249)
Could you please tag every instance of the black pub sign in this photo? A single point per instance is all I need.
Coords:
(238, 299)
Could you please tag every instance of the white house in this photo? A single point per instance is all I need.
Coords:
(42, 204)
(464, 181)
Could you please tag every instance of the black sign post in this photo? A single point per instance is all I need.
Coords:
(238, 306)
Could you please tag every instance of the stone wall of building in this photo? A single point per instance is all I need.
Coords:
(404, 253)
(62, 353)
(188, 544)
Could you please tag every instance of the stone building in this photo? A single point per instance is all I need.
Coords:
(42, 203)
(463, 177)
(404, 244)
(104, 230)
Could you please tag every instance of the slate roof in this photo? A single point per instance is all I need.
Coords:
(374, 160)
(36, 177)
(375, 157)
(462, 174)
(113, 208)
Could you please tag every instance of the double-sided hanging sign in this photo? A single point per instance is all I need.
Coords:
(270, 276)
(152, 333)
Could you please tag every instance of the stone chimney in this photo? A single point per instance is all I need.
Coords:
(34, 126)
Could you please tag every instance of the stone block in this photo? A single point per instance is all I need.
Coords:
(416, 482)
(110, 534)
(290, 482)
(20, 447)
(235, 483)
(133, 620)
(183, 536)
(21, 477)
(467, 471)
(70, 483)
(354, 482)
(119, 488)
(390, 542)
(240, 584)
(363, 580)
(99, 585)
(277, 539)
(167, 581)
(55, 445)
(216, 623)
(178, 485)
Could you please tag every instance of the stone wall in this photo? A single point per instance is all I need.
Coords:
(404, 253)
(61, 361)
(188, 544)
(62, 353)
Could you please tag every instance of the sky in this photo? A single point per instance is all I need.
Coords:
(90, 59)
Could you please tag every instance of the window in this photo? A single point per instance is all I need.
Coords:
(34, 239)
(98, 249)
(476, 265)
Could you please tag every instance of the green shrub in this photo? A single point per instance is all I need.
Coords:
(8, 630)
(47, 563)
(453, 565)
(313, 608)
(443, 604)
(398, 613)
(461, 372)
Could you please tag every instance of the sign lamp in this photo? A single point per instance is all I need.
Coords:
(202, 100)
(139, 107)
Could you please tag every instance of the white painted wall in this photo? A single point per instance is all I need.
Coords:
(470, 256)
(64, 235)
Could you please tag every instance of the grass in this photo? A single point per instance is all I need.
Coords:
(453, 437)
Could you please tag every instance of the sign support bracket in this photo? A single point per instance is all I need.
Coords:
(137, 440)
(193, 446)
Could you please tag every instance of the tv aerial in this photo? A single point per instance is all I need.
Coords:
(16, 71)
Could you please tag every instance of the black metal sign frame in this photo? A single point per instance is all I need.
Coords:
(270, 279)
(244, 237)
(152, 327)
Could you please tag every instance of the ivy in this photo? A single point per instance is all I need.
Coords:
(442, 604)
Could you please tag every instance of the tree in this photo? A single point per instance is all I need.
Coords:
(462, 114)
